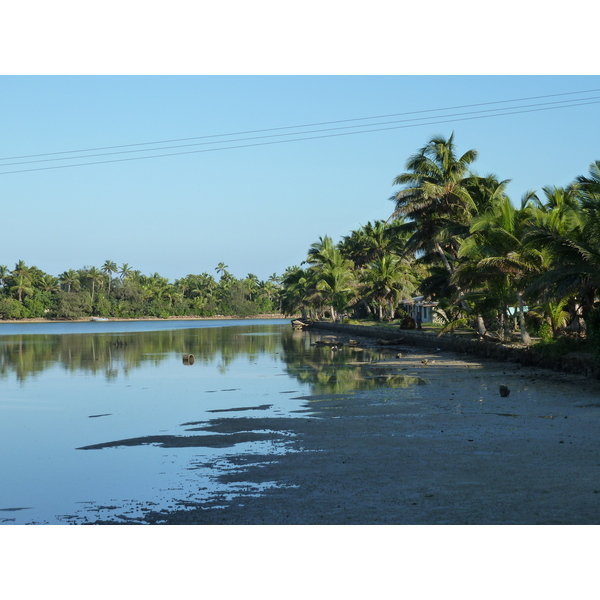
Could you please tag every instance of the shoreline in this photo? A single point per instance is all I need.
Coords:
(576, 363)
(120, 319)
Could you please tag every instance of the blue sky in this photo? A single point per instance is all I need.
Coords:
(258, 208)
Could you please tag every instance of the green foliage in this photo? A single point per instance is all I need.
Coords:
(89, 291)
(562, 345)
(544, 332)
(11, 308)
(593, 329)
(73, 305)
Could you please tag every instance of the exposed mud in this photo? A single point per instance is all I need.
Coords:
(449, 451)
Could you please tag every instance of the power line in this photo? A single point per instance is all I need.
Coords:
(304, 126)
(288, 134)
(451, 120)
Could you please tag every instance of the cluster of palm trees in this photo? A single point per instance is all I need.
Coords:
(112, 291)
(367, 273)
(457, 238)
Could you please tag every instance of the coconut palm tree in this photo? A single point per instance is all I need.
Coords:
(497, 259)
(373, 241)
(437, 202)
(221, 269)
(388, 279)
(22, 285)
(435, 197)
(48, 283)
(70, 278)
(125, 271)
(332, 275)
(108, 268)
(589, 187)
(95, 277)
(336, 284)
(4, 272)
(251, 282)
(573, 243)
(297, 287)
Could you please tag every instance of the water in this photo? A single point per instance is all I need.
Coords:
(67, 386)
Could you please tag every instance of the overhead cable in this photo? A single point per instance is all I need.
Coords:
(464, 116)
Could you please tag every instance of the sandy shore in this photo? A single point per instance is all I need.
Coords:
(449, 451)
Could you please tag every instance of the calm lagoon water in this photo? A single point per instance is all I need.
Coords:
(64, 386)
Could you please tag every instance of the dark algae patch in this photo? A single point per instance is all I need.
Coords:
(192, 441)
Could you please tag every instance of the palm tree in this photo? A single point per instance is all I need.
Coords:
(109, 267)
(498, 255)
(438, 204)
(48, 283)
(70, 278)
(125, 271)
(373, 241)
(251, 282)
(573, 243)
(333, 275)
(387, 280)
(4, 272)
(21, 280)
(221, 269)
(296, 291)
(589, 187)
(95, 277)
(436, 197)
(20, 269)
(336, 284)
(21, 284)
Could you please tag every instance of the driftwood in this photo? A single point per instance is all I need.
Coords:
(390, 342)
(298, 324)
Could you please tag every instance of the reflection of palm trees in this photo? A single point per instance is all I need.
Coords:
(339, 371)
(114, 355)
(108, 354)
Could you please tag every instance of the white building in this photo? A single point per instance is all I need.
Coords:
(419, 306)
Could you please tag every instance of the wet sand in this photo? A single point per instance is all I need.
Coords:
(451, 451)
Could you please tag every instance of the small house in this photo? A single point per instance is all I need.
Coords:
(419, 306)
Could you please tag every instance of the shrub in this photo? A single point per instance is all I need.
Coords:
(10, 308)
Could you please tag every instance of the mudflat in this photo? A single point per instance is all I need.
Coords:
(449, 450)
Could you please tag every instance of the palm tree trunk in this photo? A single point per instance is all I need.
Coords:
(524, 335)
(481, 330)
(440, 251)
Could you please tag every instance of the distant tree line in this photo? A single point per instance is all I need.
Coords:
(112, 291)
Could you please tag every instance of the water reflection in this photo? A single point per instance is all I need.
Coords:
(111, 354)
(114, 354)
(336, 370)
(96, 419)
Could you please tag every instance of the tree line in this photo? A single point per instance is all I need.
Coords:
(122, 292)
(458, 239)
